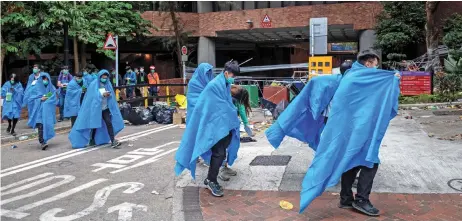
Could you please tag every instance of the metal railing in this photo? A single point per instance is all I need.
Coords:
(145, 93)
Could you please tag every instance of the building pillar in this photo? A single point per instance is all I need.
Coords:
(204, 6)
(206, 51)
(367, 40)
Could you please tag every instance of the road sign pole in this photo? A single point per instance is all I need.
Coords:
(312, 40)
(184, 77)
(117, 61)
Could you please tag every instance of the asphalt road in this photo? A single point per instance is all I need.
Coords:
(134, 182)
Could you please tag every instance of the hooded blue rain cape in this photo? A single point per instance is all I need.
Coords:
(201, 77)
(90, 116)
(303, 119)
(88, 77)
(362, 107)
(72, 99)
(12, 109)
(43, 112)
(26, 94)
(210, 123)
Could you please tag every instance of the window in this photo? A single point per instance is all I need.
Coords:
(326, 64)
(320, 64)
(313, 64)
(319, 71)
(264, 4)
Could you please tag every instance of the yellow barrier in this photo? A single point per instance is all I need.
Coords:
(117, 94)
(167, 92)
(145, 94)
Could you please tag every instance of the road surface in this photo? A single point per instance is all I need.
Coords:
(134, 182)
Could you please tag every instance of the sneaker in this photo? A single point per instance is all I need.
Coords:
(8, 130)
(223, 176)
(13, 133)
(345, 205)
(365, 207)
(355, 183)
(44, 146)
(228, 171)
(214, 188)
(60, 120)
(115, 144)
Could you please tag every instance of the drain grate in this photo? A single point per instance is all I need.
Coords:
(272, 160)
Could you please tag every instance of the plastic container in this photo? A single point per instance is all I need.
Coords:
(253, 94)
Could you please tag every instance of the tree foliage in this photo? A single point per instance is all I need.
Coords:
(400, 26)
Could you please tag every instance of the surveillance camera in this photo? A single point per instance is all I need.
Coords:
(249, 21)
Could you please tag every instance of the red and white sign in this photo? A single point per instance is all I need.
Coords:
(184, 50)
(110, 43)
(415, 83)
(266, 22)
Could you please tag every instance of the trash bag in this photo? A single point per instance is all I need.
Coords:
(125, 109)
(266, 104)
(145, 114)
(279, 109)
(165, 115)
(155, 109)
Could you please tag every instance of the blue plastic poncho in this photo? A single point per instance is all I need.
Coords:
(88, 77)
(216, 118)
(362, 107)
(132, 76)
(12, 109)
(72, 99)
(201, 77)
(90, 116)
(303, 119)
(43, 112)
(30, 84)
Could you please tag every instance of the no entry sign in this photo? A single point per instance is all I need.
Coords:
(184, 50)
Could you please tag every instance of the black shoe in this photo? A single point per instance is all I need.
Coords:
(366, 207)
(44, 146)
(115, 144)
(59, 120)
(214, 187)
(8, 130)
(13, 133)
(345, 205)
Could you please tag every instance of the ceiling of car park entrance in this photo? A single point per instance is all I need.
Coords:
(336, 33)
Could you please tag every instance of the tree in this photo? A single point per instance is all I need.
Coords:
(399, 28)
(431, 35)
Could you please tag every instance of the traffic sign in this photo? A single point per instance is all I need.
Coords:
(110, 43)
(266, 22)
(184, 50)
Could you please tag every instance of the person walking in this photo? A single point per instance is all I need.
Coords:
(75, 94)
(63, 80)
(130, 79)
(12, 95)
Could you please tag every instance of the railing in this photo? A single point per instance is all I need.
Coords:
(145, 93)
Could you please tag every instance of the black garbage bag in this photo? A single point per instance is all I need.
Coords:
(125, 109)
(280, 108)
(165, 115)
(266, 104)
(145, 114)
(155, 109)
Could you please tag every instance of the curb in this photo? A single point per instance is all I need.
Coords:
(9, 139)
(429, 104)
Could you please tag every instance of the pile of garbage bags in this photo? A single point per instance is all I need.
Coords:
(160, 113)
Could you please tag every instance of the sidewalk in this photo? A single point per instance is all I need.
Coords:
(23, 130)
(420, 178)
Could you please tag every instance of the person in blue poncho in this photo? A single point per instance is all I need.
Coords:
(41, 100)
(364, 101)
(12, 95)
(75, 93)
(212, 131)
(130, 79)
(32, 80)
(87, 76)
(63, 80)
(99, 118)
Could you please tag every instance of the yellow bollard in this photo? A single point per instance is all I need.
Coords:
(145, 94)
(167, 93)
(117, 94)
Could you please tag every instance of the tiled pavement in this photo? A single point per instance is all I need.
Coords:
(264, 205)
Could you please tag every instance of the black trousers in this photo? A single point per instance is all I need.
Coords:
(15, 121)
(40, 133)
(110, 128)
(218, 156)
(365, 181)
(73, 119)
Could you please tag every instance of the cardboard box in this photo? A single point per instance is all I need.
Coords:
(178, 119)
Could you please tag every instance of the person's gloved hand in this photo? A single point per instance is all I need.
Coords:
(248, 130)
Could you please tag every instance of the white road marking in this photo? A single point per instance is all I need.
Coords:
(12, 214)
(126, 210)
(98, 202)
(66, 179)
(103, 166)
(72, 153)
(148, 161)
(60, 196)
(3, 188)
(125, 159)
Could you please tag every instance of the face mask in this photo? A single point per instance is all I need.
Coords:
(103, 80)
(45, 82)
(113, 73)
(35, 70)
(230, 80)
(141, 70)
(152, 71)
(65, 71)
(12, 81)
(78, 80)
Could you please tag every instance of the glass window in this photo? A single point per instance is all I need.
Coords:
(326, 64)
(320, 64)
(319, 71)
(263, 4)
(313, 64)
